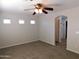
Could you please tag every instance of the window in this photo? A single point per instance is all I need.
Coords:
(32, 22)
(6, 21)
(21, 21)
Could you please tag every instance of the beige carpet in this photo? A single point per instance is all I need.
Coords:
(36, 50)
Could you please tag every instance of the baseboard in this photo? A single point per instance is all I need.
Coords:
(66, 48)
(17, 44)
(73, 51)
(48, 42)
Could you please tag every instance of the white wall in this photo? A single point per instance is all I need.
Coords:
(47, 28)
(14, 34)
(73, 22)
(46, 31)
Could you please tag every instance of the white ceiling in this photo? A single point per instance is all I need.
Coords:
(20, 5)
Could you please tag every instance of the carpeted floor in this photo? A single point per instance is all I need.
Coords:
(36, 50)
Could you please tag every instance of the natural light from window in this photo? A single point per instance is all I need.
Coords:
(32, 22)
(21, 21)
(6, 21)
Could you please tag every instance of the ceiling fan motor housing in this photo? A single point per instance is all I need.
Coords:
(39, 6)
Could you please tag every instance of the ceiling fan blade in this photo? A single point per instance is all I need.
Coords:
(47, 8)
(34, 13)
(29, 9)
(45, 12)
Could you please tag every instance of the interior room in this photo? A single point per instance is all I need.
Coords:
(39, 29)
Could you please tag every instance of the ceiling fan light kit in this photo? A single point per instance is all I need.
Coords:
(38, 10)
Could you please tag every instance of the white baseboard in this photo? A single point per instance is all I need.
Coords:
(66, 48)
(48, 42)
(19, 43)
(73, 51)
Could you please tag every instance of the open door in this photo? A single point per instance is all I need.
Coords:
(61, 24)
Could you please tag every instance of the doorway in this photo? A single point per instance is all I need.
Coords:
(61, 25)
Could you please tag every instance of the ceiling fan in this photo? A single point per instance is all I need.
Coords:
(41, 8)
